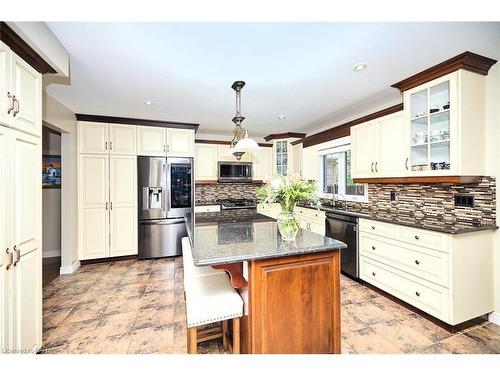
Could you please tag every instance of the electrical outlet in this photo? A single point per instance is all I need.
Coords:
(464, 200)
(393, 195)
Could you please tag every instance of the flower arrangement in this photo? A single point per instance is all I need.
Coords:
(288, 191)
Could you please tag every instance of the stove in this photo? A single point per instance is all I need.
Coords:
(232, 204)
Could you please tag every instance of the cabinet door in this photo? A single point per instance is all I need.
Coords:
(27, 87)
(205, 162)
(151, 141)
(297, 159)
(26, 213)
(122, 139)
(123, 205)
(391, 160)
(180, 142)
(262, 163)
(5, 85)
(363, 149)
(94, 209)
(4, 235)
(93, 137)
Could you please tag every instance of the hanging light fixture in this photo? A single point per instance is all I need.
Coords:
(241, 143)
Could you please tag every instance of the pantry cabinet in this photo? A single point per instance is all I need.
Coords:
(103, 138)
(122, 139)
(5, 242)
(157, 141)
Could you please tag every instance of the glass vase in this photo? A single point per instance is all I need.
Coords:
(288, 225)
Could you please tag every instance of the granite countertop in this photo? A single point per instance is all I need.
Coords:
(243, 235)
(455, 229)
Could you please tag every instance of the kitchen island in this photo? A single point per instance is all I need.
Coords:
(290, 290)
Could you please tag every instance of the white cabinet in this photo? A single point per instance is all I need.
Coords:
(205, 162)
(107, 206)
(93, 137)
(378, 148)
(297, 159)
(211, 208)
(20, 233)
(262, 163)
(122, 139)
(156, 141)
(21, 93)
(435, 272)
(311, 163)
(311, 219)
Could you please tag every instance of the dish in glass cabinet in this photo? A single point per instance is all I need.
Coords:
(434, 110)
(446, 106)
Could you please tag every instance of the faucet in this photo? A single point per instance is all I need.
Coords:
(335, 198)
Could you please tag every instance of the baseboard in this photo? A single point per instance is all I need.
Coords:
(494, 317)
(51, 253)
(69, 269)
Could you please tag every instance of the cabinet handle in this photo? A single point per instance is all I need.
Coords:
(376, 163)
(106, 206)
(11, 102)
(417, 237)
(417, 262)
(111, 205)
(16, 106)
(106, 145)
(373, 227)
(372, 167)
(111, 145)
(7, 260)
(374, 274)
(406, 163)
(417, 294)
(373, 247)
(16, 255)
(164, 148)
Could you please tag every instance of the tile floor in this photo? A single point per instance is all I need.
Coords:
(138, 307)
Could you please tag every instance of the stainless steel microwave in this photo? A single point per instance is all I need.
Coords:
(230, 171)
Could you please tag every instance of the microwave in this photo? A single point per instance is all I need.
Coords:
(230, 171)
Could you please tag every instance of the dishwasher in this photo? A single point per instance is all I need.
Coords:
(345, 228)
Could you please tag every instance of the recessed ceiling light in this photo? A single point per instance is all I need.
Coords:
(281, 117)
(148, 102)
(359, 67)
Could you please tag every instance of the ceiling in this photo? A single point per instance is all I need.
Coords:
(301, 70)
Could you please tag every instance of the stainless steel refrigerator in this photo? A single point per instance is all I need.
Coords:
(166, 191)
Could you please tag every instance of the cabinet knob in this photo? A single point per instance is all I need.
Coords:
(373, 247)
(417, 262)
(373, 227)
(374, 274)
(417, 294)
(417, 237)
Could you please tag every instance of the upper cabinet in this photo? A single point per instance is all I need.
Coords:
(21, 93)
(157, 141)
(122, 139)
(102, 138)
(205, 162)
(262, 163)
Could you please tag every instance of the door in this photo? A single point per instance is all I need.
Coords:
(26, 276)
(6, 101)
(262, 163)
(123, 205)
(363, 149)
(206, 162)
(122, 139)
(391, 145)
(93, 137)
(180, 142)
(94, 207)
(27, 86)
(151, 141)
(180, 185)
(4, 236)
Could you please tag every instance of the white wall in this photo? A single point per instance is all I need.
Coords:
(58, 116)
(493, 163)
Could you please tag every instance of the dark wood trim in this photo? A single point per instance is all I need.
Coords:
(468, 61)
(213, 182)
(298, 141)
(450, 328)
(23, 50)
(421, 180)
(136, 121)
(51, 186)
(235, 271)
(216, 142)
(284, 135)
(105, 260)
(344, 130)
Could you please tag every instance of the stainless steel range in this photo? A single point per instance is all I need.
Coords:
(232, 204)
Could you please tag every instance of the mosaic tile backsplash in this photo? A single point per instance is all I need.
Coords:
(431, 204)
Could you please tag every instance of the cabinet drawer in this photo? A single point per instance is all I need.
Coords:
(419, 237)
(427, 264)
(428, 297)
(212, 208)
(376, 227)
(310, 213)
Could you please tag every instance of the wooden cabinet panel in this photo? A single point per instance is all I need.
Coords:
(151, 141)
(4, 234)
(262, 163)
(391, 153)
(93, 137)
(180, 142)
(27, 86)
(363, 149)
(123, 205)
(123, 139)
(205, 162)
(294, 305)
(5, 84)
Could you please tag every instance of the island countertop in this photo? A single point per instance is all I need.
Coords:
(243, 235)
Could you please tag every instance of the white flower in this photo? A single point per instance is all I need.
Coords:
(276, 183)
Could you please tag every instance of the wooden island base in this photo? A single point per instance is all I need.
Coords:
(292, 305)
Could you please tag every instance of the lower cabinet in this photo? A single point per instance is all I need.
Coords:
(20, 238)
(107, 206)
(447, 276)
(311, 219)
(211, 208)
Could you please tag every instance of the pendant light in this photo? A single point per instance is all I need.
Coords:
(244, 143)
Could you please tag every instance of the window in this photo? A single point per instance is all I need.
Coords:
(282, 157)
(336, 175)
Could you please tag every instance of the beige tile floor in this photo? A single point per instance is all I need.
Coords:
(138, 307)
